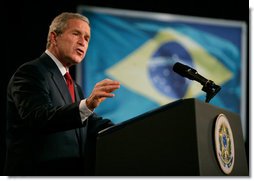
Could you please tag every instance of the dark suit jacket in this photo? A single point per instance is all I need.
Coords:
(45, 135)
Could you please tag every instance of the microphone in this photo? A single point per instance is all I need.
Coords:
(208, 86)
(189, 72)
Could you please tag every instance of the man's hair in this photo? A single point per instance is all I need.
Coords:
(59, 23)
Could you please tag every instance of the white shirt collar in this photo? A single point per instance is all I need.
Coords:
(62, 69)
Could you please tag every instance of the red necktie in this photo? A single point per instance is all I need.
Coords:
(70, 85)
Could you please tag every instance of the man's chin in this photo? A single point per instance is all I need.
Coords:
(77, 59)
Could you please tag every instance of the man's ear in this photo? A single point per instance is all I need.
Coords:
(53, 38)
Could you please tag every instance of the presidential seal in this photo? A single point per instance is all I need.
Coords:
(224, 144)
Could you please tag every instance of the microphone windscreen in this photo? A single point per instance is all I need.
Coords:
(181, 69)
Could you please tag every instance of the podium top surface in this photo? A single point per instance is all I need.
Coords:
(180, 102)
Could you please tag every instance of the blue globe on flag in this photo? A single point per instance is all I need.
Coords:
(160, 68)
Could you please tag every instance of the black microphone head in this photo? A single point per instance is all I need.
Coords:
(208, 86)
(184, 70)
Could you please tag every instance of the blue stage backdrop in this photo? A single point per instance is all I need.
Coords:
(139, 49)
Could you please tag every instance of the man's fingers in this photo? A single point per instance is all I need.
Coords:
(107, 82)
(104, 94)
(107, 85)
(101, 91)
(109, 88)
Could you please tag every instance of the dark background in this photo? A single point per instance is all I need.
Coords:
(25, 25)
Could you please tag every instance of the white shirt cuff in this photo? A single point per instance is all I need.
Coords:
(84, 111)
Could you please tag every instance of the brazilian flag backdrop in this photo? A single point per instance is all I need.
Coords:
(139, 49)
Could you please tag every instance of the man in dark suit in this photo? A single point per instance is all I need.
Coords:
(47, 130)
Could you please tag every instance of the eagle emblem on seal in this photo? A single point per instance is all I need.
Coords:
(224, 144)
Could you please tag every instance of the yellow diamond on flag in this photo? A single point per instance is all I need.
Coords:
(132, 71)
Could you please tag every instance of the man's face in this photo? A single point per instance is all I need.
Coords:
(72, 44)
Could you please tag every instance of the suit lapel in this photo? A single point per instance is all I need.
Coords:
(77, 96)
(61, 86)
(57, 78)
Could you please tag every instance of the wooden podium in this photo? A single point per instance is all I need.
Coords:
(177, 139)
